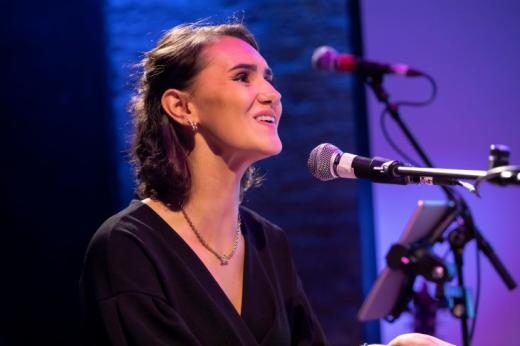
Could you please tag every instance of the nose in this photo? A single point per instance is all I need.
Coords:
(269, 95)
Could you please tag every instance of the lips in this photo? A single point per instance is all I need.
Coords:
(268, 119)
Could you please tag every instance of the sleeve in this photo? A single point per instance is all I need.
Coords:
(123, 301)
(139, 319)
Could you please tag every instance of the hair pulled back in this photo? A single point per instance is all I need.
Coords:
(160, 145)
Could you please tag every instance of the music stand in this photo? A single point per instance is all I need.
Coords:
(428, 221)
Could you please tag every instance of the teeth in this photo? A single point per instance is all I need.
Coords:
(266, 118)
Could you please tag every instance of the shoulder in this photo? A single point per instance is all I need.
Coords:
(133, 217)
(118, 257)
(137, 222)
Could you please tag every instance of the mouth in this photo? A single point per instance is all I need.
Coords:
(266, 119)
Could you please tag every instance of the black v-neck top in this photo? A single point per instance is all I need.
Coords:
(143, 285)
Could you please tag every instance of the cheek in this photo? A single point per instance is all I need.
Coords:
(208, 105)
(222, 103)
(221, 115)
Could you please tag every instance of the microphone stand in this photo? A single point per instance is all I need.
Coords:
(459, 237)
(376, 83)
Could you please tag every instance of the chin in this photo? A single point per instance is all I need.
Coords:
(274, 149)
(260, 150)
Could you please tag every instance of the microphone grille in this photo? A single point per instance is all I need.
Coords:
(324, 58)
(320, 161)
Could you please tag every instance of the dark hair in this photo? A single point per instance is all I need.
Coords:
(161, 145)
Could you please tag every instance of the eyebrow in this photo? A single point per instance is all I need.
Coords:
(251, 67)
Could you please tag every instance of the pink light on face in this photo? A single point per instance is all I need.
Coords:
(405, 260)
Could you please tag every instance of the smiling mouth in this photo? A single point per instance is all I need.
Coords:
(268, 119)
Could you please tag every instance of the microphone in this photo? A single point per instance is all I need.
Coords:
(327, 162)
(326, 58)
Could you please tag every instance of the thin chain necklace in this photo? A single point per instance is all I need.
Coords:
(224, 259)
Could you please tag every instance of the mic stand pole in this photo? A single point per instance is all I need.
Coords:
(458, 239)
(375, 81)
(485, 247)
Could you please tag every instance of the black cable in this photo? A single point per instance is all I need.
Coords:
(453, 194)
(390, 141)
(430, 99)
(382, 117)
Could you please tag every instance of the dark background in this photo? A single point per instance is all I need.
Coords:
(65, 130)
(57, 180)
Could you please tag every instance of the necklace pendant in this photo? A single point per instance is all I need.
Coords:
(224, 261)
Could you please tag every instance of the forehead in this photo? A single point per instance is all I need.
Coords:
(229, 51)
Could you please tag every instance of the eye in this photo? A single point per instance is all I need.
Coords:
(242, 77)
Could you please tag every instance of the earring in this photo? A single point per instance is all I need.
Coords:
(194, 126)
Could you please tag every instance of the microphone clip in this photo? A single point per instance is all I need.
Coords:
(386, 171)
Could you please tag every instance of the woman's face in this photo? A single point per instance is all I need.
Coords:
(235, 103)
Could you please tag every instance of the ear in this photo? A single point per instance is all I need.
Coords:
(176, 104)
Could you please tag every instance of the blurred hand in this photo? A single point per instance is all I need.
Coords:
(416, 339)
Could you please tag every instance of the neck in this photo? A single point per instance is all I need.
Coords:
(215, 194)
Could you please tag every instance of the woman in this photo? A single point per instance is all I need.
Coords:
(186, 265)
